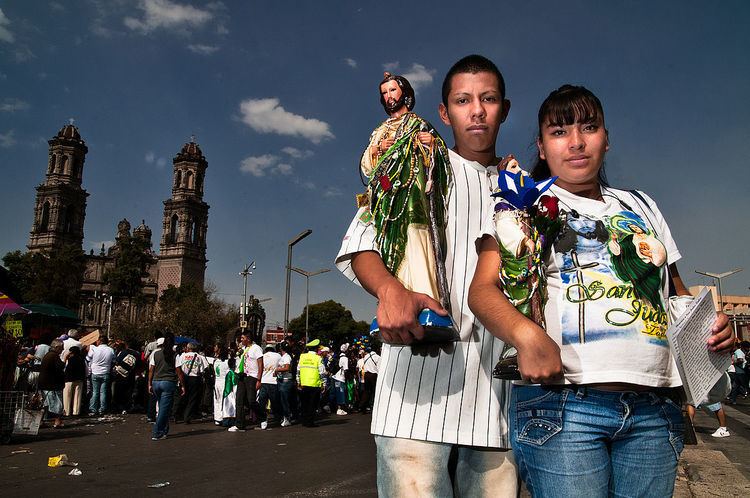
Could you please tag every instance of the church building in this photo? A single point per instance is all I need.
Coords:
(59, 215)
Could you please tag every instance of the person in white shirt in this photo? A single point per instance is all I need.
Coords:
(370, 363)
(268, 390)
(68, 343)
(285, 384)
(193, 364)
(339, 379)
(249, 372)
(100, 358)
(224, 403)
(433, 402)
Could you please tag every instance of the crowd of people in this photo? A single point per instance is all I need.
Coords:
(235, 385)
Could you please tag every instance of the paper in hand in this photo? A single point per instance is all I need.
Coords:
(699, 367)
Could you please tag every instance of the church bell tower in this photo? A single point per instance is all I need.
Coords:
(60, 207)
(182, 251)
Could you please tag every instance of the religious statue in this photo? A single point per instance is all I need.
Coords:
(526, 222)
(408, 173)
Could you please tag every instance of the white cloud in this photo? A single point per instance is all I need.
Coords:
(13, 105)
(8, 139)
(57, 6)
(418, 75)
(151, 158)
(296, 153)
(268, 116)
(267, 163)
(351, 62)
(5, 34)
(168, 15)
(332, 192)
(202, 49)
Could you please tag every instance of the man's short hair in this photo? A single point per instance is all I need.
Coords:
(73, 334)
(472, 64)
(104, 339)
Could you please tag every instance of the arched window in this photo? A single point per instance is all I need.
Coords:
(195, 233)
(51, 166)
(174, 229)
(177, 179)
(62, 220)
(199, 183)
(44, 224)
(63, 162)
(74, 167)
(189, 179)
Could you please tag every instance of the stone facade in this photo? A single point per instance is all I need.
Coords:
(59, 215)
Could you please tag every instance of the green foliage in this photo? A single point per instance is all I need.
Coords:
(192, 311)
(329, 320)
(132, 260)
(53, 277)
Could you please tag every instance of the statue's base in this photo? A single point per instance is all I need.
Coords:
(507, 368)
(438, 329)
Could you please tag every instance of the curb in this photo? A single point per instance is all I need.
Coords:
(702, 472)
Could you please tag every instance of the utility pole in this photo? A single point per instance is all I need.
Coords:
(291, 243)
(307, 276)
(246, 272)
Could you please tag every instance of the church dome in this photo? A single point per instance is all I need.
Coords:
(191, 149)
(142, 231)
(69, 132)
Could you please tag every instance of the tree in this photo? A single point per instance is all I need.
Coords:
(329, 321)
(132, 260)
(192, 311)
(53, 276)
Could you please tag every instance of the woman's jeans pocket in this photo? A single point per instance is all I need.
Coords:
(537, 414)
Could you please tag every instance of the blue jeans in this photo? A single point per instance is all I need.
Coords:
(99, 392)
(577, 441)
(285, 388)
(339, 388)
(410, 467)
(164, 393)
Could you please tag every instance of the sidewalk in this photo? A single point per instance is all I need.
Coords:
(717, 466)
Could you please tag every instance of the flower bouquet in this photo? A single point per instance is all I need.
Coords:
(524, 230)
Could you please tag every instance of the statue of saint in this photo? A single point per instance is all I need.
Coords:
(408, 171)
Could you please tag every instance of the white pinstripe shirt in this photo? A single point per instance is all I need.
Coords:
(447, 395)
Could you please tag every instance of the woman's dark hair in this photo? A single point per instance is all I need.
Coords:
(567, 105)
(167, 348)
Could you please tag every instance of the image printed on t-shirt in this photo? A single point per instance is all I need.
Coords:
(611, 271)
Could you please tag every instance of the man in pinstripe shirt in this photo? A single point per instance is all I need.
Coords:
(439, 418)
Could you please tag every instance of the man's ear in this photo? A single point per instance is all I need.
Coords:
(540, 147)
(506, 110)
(443, 112)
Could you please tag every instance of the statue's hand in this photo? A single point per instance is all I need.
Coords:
(425, 138)
(386, 144)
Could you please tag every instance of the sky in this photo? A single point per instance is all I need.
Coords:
(282, 96)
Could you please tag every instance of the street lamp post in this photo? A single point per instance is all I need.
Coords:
(307, 276)
(291, 243)
(244, 274)
(718, 277)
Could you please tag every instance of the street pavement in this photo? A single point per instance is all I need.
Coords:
(117, 457)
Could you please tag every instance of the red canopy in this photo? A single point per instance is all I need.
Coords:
(9, 306)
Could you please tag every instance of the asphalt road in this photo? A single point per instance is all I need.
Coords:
(117, 458)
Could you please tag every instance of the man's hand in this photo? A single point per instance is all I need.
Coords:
(257, 385)
(425, 138)
(182, 390)
(398, 310)
(538, 357)
(150, 389)
(722, 337)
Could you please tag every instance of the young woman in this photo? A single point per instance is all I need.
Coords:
(164, 373)
(224, 405)
(598, 410)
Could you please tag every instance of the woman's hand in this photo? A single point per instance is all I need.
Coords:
(539, 358)
(722, 337)
(150, 389)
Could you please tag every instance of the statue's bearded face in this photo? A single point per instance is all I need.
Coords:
(393, 97)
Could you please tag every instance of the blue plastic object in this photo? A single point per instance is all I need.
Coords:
(438, 328)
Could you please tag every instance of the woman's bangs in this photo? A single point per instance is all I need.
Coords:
(567, 108)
